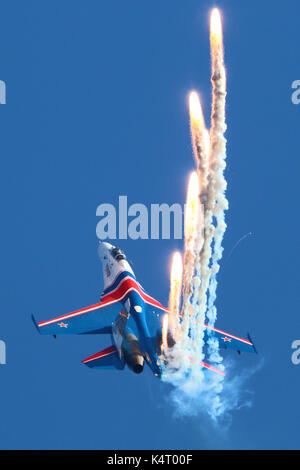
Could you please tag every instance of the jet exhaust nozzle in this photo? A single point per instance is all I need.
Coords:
(138, 368)
(133, 355)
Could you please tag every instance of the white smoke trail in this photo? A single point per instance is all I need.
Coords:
(192, 239)
(209, 395)
(217, 167)
(200, 143)
(195, 386)
(215, 202)
(175, 293)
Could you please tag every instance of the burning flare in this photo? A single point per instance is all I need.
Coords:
(196, 114)
(216, 33)
(200, 141)
(176, 276)
(165, 325)
(175, 289)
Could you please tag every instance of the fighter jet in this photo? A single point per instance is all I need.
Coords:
(132, 318)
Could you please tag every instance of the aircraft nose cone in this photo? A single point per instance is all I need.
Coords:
(104, 248)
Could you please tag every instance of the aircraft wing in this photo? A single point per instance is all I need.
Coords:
(229, 341)
(96, 318)
(225, 340)
(108, 358)
(155, 310)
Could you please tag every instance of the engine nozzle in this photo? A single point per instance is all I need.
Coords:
(132, 353)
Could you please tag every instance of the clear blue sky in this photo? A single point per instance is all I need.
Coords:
(97, 107)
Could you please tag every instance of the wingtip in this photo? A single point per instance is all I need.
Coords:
(250, 339)
(35, 323)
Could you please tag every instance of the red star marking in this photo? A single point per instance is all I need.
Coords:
(224, 338)
(63, 325)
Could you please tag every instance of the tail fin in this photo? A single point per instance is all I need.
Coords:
(106, 359)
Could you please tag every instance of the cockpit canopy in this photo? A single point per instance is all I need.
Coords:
(118, 254)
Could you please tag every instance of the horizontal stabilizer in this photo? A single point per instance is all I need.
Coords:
(106, 359)
(208, 366)
(214, 369)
